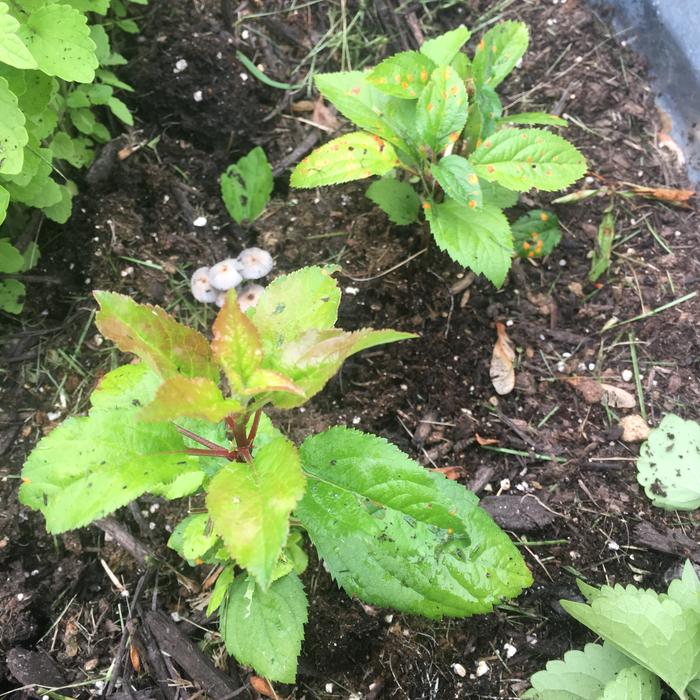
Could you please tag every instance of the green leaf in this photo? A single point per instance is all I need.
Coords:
(484, 112)
(581, 675)
(634, 683)
(218, 593)
(250, 505)
(264, 629)
(236, 345)
(12, 50)
(198, 537)
(11, 259)
(120, 111)
(499, 51)
(536, 234)
(498, 196)
(523, 158)
(12, 296)
(109, 78)
(193, 397)
(479, 239)
(128, 26)
(41, 191)
(103, 48)
(359, 101)
(60, 211)
(246, 186)
(88, 467)
(295, 303)
(40, 90)
(167, 346)
(4, 203)
(83, 120)
(99, 94)
(442, 109)
(604, 243)
(100, 7)
(78, 151)
(669, 464)
(443, 49)
(396, 535)
(403, 75)
(58, 38)
(396, 198)
(457, 177)
(541, 118)
(30, 256)
(354, 156)
(653, 630)
(13, 135)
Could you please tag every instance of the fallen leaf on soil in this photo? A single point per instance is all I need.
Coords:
(576, 288)
(501, 372)
(634, 428)
(595, 392)
(485, 441)
(303, 106)
(324, 115)
(452, 473)
(665, 194)
(135, 658)
(262, 686)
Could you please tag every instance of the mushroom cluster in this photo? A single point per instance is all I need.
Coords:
(210, 284)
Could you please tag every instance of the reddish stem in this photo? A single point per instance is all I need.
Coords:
(254, 429)
(198, 438)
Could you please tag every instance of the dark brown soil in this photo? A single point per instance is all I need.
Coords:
(133, 232)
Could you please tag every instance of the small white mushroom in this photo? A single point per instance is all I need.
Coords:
(225, 275)
(249, 296)
(254, 263)
(201, 287)
(220, 299)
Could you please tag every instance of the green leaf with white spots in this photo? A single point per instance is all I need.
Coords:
(12, 50)
(520, 159)
(394, 534)
(165, 345)
(58, 38)
(65, 477)
(264, 629)
(536, 234)
(499, 51)
(396, 198)
(13, 134)
(403, 75)
(457, 177)
(479, 239)
(443, 49)
(669, 464)
(442, 109)
(250, 505)
(351, 157)
(359, 101)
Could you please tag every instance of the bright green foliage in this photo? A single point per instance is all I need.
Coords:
(396, 198)
(246, 186)
(12, 291)
(603, 248)
(669, 464)
(521, 159)
(351, 157)
(536, 234)
(498, 52)
(388, 530)
(264, 629)
(395, 535)
(436, 116)
(659, 632)
(403, 75)
(250, 505)
(46, 47)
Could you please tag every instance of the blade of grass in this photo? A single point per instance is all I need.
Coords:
(653, 312)
(637, 376)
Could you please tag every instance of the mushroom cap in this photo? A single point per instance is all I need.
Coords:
(201, 286)
(225, 275)
(249, 296)
(254, 263)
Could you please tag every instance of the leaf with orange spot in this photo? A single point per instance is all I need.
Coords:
(441, 109)
(402, 75)
(536, 232)
(457, 177)
(499, 51)
(520, 159)
(351, 157)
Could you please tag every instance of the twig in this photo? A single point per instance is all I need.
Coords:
(298, 153)
(386, 272)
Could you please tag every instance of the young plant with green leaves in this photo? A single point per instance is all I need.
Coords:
(389, 531)
(246, 186)
(432, 119)
(55, 76)
(648, 637)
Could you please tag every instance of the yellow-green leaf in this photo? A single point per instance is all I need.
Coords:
(498, 52)
(443, 49)
(402, 75)
(442, 109)
(457, 177)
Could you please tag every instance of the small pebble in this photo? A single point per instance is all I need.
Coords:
(482, 668)
(510, 650)
(200, 221)
(627, 375)
(180, 65)
(459, 670)
(197, 96)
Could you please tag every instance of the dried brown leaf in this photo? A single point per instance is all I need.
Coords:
(323, 115)
(484, 441)
(592, 392)
(262, 686)
(502, 372)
